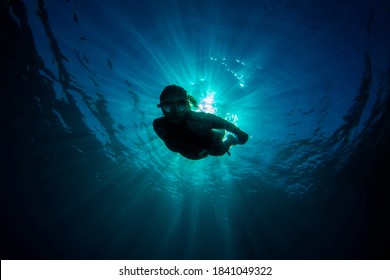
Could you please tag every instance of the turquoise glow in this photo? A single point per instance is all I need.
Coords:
(247, 78)
(303, 78)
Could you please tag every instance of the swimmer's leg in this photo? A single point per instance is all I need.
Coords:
(220, 148)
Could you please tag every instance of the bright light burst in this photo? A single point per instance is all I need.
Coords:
(207, 104)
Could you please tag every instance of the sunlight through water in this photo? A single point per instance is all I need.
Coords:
(307, 81)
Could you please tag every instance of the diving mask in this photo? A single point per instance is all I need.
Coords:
(178, 106)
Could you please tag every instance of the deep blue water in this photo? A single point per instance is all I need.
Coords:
(85, 176)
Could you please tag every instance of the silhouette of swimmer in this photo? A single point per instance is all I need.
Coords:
(193, 134)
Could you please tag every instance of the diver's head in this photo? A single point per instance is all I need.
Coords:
(174, 103)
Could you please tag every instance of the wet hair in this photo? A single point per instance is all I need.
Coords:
(178, 91)
(173, 90)
(193, 101)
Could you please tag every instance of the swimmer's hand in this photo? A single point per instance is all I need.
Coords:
(242, 137)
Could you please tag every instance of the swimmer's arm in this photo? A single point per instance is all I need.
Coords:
(211, 121)
(219, 123)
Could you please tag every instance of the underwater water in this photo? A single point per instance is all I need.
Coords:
(84, 176)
